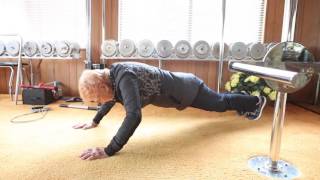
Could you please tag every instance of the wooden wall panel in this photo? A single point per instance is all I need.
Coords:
(308, 34)
(96, 30)
(273, 22)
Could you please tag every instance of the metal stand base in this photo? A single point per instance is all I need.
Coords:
(282, 170)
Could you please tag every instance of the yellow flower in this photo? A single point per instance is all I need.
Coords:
(234, 82)
(227, 86)
(235, 76)
(247, 79)
(266, 90)
(239, 73)
(273, 95)
(255, 93)
(254, 79)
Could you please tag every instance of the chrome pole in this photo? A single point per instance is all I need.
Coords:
(88, 51)
(19, 77)
(289, 20)
(272, 165)
(220, 68)
(103, 36)
(103, 20)
(277, 127)
(317, 91)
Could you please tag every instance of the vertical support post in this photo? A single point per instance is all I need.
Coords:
(160, 63)
(277, 127)
(220, 67)
(103, 31)
(19, 77)
(317, 91)
(88, 50)
(289, 20)
(31, 72)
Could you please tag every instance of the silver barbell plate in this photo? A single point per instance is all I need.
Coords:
(201, 49)
(2, 48)
(257, 51)
(216, 50)
(63, 48)
(288, 52)
(12, 48)
(109, 48)
(239, 50)
(164, 48)
(127, 48)
(30, 48)
(183, 49)
(146, 48)
(47, 49)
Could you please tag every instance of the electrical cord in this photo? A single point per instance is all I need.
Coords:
(34, 110)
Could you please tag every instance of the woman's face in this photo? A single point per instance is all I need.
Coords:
(98, 98)
(93, 87)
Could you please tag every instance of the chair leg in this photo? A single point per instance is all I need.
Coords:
(10, 82)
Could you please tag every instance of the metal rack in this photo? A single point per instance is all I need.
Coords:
(19, 58)
(19, 77)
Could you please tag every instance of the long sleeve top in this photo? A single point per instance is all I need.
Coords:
(136, 85)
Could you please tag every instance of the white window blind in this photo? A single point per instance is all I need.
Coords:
(49, 20)
(191, 20)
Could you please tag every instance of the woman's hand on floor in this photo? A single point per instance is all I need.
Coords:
(85, 125)
(93, 153)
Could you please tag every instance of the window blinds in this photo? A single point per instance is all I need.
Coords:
(45, 19)
(191, 20)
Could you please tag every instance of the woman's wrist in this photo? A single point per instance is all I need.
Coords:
(94, 124)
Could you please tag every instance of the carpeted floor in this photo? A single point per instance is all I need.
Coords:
(169, 144)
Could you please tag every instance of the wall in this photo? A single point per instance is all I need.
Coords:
(308, 34)
(65, 71)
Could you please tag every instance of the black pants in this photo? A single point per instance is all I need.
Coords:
(209, 100)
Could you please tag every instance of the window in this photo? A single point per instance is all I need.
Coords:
(191, 20)
(50, 20)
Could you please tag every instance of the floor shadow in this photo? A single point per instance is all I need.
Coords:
(194, 136)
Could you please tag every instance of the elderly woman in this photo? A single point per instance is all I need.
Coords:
(136, 85)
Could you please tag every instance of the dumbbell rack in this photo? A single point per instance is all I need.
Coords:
(20, 57)
(103, 30)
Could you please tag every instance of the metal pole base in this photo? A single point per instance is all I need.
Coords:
(282, 169)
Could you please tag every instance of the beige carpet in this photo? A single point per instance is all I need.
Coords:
(169, 144)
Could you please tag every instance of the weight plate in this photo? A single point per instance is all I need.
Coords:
(46, 49)
(146, 48)
(216, 50)
(2, 48)
(12, 48)
(201, 49)
(30, 48)
(75, 50)
(239, 50)
(183, 49)
(164, 48)
(127, 48)
(257, 51)
(63, 48)
(109, 48)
